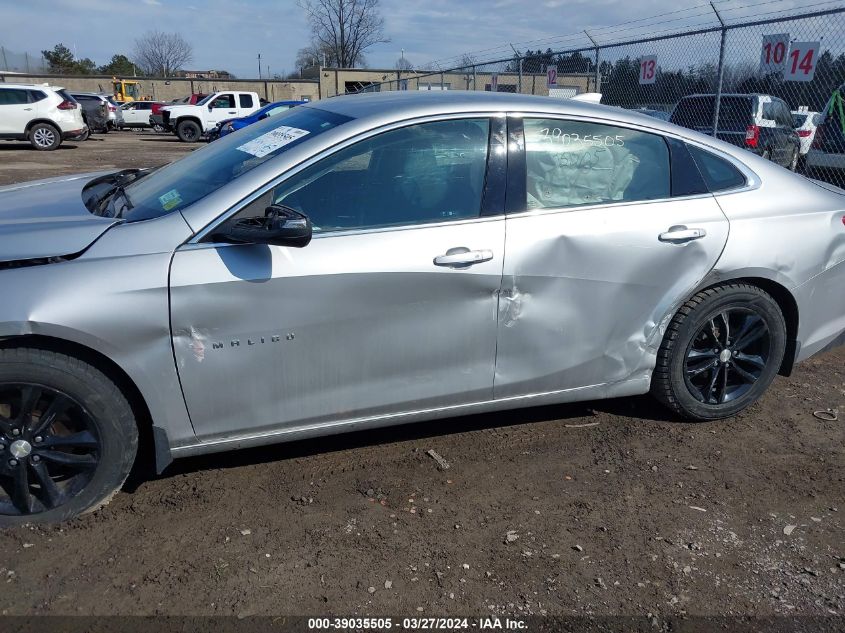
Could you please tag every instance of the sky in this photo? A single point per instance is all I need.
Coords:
(229, 34)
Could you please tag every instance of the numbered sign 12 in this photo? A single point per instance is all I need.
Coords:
(551, 76)
(773, 53)
(648, 69)
(801, 61)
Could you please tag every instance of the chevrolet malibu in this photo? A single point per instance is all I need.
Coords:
(386, 258)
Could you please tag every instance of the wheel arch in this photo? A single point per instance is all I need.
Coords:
(35, 122)
(786, 302)
(154, 446)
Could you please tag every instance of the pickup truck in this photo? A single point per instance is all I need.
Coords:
(191, 122)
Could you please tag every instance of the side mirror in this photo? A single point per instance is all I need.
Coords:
(210, 105)
(280, 226)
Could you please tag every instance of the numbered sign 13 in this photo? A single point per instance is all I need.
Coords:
(648, 69)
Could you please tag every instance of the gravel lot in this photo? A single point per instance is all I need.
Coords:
(603, 508)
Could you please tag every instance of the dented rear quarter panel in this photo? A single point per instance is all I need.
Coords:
(790, 230)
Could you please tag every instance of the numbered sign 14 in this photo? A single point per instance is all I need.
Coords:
(648, 69)
(801, 61)
(773, 53)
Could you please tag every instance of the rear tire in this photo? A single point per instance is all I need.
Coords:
(56, 466)
(188, 131)
(45, 137)
(720, 352)
(793, 164)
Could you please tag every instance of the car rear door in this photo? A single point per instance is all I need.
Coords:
(391, 309)
(247, 104)
(604, 239)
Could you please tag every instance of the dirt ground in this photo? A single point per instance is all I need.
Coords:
(602, 508)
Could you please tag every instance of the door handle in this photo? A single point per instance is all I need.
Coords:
(681, 234)
(27, 109)
(232, 112)
(462, 257)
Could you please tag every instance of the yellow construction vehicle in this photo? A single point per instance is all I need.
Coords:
(127, 90)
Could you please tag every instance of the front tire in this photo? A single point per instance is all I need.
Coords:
(68, 437)
(45, 137)
(188, 131)
(720, 352)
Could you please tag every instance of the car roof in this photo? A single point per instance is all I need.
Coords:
(385, 107)
(31, 86)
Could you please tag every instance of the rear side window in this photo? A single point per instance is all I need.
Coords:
(572, 163)
(245, 101)
(13, 96)
(718, 173)
(697, 113)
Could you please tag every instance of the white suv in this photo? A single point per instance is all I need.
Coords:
(41, 114)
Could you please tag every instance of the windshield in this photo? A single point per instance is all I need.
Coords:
(205, 170)
(204, 100)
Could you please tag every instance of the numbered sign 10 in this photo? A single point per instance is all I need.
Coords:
(801, 61)
(648, 69)
(773, 54)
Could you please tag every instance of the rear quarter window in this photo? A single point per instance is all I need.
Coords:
(718, 174)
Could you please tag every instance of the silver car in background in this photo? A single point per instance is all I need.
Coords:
(386, 258)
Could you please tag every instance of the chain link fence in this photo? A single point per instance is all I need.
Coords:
(24, 63)
(773, 85)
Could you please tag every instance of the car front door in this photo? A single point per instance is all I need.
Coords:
(220, 108)
(598, 252)
(15, 110)
(391, 309)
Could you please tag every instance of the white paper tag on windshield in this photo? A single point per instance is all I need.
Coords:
(270, 141)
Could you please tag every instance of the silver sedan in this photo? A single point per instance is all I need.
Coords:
(379, 259)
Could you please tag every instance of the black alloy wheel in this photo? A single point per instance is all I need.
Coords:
(49, 448)
(727, 356)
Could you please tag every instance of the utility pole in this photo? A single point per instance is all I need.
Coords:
(519, 57)
(721, 72)
(598, 72)
(259, 65)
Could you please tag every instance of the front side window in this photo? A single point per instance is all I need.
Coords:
(13, 96)
(572, 163)
(224, 101)
(420, 174)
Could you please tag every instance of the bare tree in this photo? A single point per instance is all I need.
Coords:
(162, 54)
(403, 63)
(345, 28)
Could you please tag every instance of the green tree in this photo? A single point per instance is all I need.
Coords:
(62, 62)
(119, 65)
(60, 59)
